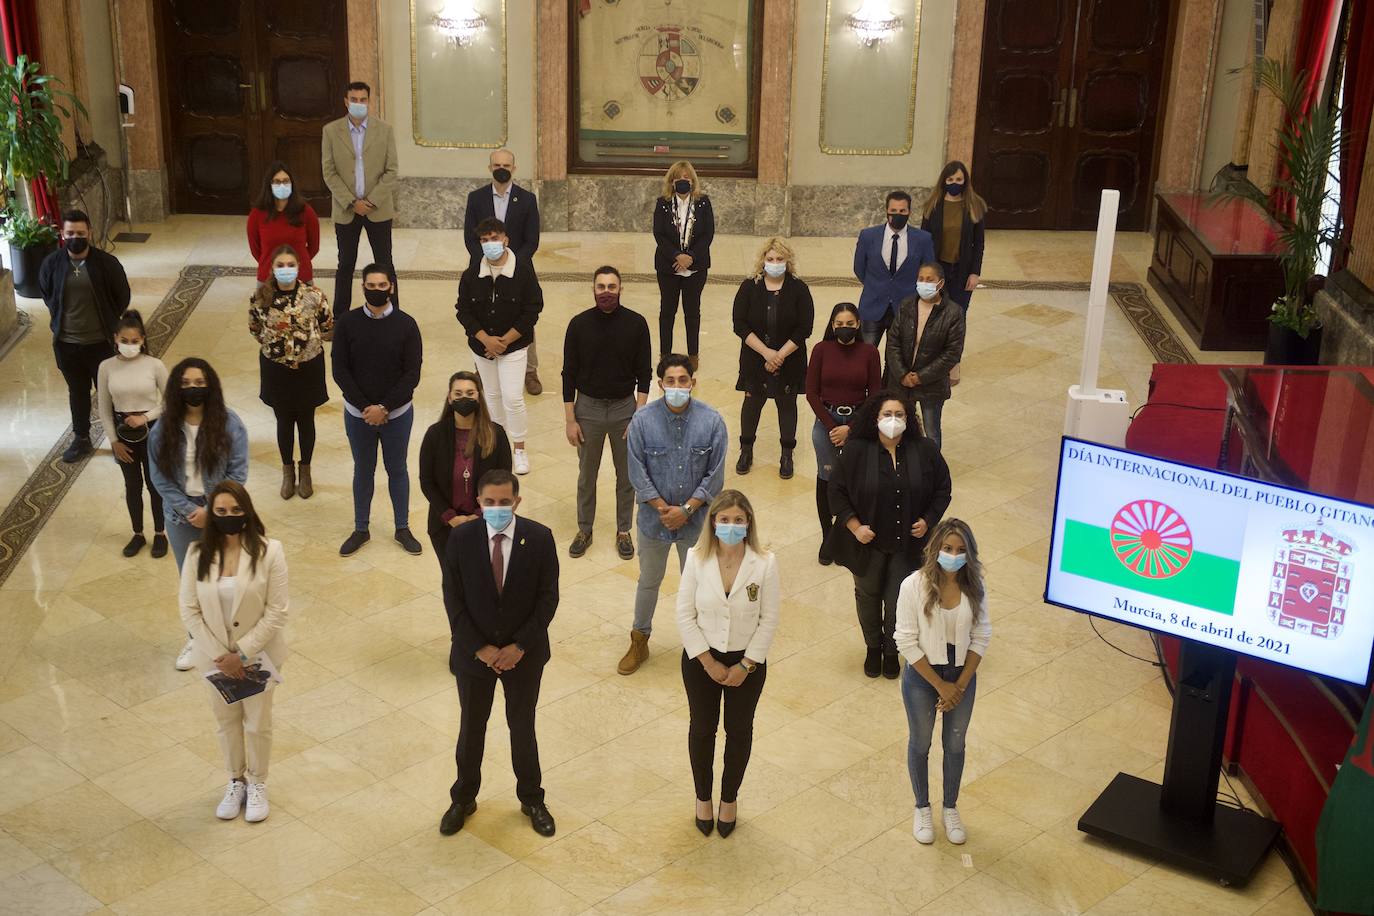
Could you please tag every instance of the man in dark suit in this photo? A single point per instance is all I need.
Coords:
(886, 260)
(501, 591)
(518, 208)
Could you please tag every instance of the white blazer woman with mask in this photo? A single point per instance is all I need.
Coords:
(745, 619)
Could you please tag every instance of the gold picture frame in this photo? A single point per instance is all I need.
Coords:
(899, 150)
(418, 134)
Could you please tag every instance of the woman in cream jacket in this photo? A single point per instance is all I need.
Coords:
(727, 612)
(234, 604)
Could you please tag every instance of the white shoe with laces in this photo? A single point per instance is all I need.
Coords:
(184, 662)
(520, 462)
(257, 803)
(954, 827)
(923, 826)
(232, 802)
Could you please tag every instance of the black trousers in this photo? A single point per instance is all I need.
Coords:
(671, 287)
(956, 278)
(79, 364)
(752, 410)
(136, 477)
(476, 693)
(288, 423)
(875, 598)
(347, 236)
(703, 704)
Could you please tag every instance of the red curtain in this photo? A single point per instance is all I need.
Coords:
(19, 28)
(1359, 112)
(1312, 58)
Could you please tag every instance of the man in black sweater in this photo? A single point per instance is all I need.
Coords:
(377, 355)
(86, 291)
(607, 366)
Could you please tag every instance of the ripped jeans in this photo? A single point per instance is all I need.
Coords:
(920, 698)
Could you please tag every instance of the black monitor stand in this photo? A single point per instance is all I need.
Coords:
(1181, 821)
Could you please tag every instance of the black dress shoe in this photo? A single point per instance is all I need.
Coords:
(726, 828)
(453, 818)
(354, 543)
(540, 818)
(892, 666)
(873, 662)
(135, 545)
(407, 540)
(159, 545)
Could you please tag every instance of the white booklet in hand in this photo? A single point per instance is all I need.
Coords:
(259, 672)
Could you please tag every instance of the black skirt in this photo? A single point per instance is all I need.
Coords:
(284, 388)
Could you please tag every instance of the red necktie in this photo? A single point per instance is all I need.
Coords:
(498, 561)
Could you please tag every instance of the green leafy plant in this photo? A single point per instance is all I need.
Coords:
(25, 231)
(31, 113)
(1306, 144)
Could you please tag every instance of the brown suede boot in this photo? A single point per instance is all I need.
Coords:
(637, 654)
(305, 488)
(288, 480)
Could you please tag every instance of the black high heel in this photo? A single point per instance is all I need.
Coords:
(705, 826)
(726, 827)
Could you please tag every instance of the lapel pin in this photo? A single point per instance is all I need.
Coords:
(522, 542)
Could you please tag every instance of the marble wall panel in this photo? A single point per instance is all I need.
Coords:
(98, 191)
(9, 312)
(148, 200)
(434, 203)
(840, 209)
(1346, 307)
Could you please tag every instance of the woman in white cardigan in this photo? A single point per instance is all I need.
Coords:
(727, 612)
(234, 604)
(943, 632)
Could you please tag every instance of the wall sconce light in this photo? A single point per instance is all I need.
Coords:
(459, 23)
(874, 23)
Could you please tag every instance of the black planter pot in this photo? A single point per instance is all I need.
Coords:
(1286, 348)
(25, 263)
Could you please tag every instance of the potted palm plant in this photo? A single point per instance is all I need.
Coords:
(31, 112)
(1303, 206)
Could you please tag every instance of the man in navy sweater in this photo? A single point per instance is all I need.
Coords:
(377, 355)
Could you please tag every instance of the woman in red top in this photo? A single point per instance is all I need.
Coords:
(843, 372)
(280, 217)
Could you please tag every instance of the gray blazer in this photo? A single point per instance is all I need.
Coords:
(380, 169)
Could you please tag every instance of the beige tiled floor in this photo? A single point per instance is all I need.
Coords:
(109, 769)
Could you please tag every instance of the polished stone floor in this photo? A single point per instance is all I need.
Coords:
(109, 768)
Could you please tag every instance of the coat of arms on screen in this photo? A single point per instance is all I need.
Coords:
(1309, 589)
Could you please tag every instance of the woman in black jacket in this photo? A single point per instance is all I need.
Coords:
(953, 216)
(773, 316)
(924, 343)
(890, 489)
(683, 228)
(457, 450)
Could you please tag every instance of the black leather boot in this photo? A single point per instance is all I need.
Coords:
(785, 464)
(746, 457)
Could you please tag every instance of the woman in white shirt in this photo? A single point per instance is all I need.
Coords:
(234, 604)
(943, 632)
(727, 612)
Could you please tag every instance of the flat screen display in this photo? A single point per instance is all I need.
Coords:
(1264, 570)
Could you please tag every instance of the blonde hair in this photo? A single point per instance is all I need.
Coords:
(728, 499)
(680, 169)
(778, 244)
(970, 578)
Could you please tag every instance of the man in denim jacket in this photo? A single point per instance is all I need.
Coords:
(677, 466)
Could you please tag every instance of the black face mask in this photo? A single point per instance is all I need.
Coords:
(897, 221)
(194, 397)
(229, 524)
(846, 335)
(501, 175)
(464, 407)
(376, 297)
(77, 245)
(682, 186)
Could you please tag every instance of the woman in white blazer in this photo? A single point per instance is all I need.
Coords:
(943, 632)
(234, 604)
(727, 612)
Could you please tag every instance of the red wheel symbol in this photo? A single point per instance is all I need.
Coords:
(1151, 539)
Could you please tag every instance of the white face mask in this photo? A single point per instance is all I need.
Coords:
(927, 291)
(892, 427)
(130, 351)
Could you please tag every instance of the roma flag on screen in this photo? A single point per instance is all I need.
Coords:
(1148, 546)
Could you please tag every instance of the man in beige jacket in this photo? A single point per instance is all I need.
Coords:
(358, 157)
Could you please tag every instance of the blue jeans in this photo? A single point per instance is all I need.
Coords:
(181, 533)
(653, 560)
(920, 699)
(394, 438)
(930, 416)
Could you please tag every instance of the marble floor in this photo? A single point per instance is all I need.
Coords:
(109, 768)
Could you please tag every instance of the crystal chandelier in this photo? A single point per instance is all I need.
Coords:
(874, 23)
(459, 23)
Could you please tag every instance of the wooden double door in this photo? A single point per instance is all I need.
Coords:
(248, 82)
(1070, 100)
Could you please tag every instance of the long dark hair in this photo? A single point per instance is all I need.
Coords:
(212, 441)
(483, 436)
(132, 320)
(253, 539)
(865, 425)
(295, 204)
(849, 307)
(977, 207)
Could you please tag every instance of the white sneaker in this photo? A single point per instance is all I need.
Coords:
(923, 826)
(520, 461)
(184, 662)
(954, 827)
(232, 802)
(257, 803)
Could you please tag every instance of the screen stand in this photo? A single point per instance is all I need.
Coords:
(1181, 821)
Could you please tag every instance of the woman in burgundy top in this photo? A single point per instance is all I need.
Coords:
(454, 455)
(281, 216)
(843, 372)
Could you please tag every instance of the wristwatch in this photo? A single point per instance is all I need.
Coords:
(687, 509)
(748, 666)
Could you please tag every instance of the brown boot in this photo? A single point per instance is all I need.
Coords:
(304, 487)
(288, 480)
(637, 654)
(533, 386)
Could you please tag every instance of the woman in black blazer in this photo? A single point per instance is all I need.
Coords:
(890, 489)
(683, 228)
(773, 316)
(459, 449)
(957, 236)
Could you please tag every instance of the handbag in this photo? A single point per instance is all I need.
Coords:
(130, 435)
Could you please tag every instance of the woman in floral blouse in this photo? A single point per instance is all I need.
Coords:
(291, 320)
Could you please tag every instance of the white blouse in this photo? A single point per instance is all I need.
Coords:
(745, 619)
(918, 635)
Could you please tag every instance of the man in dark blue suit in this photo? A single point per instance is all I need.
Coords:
(518, 208)
(501, 592)
(886, 260)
